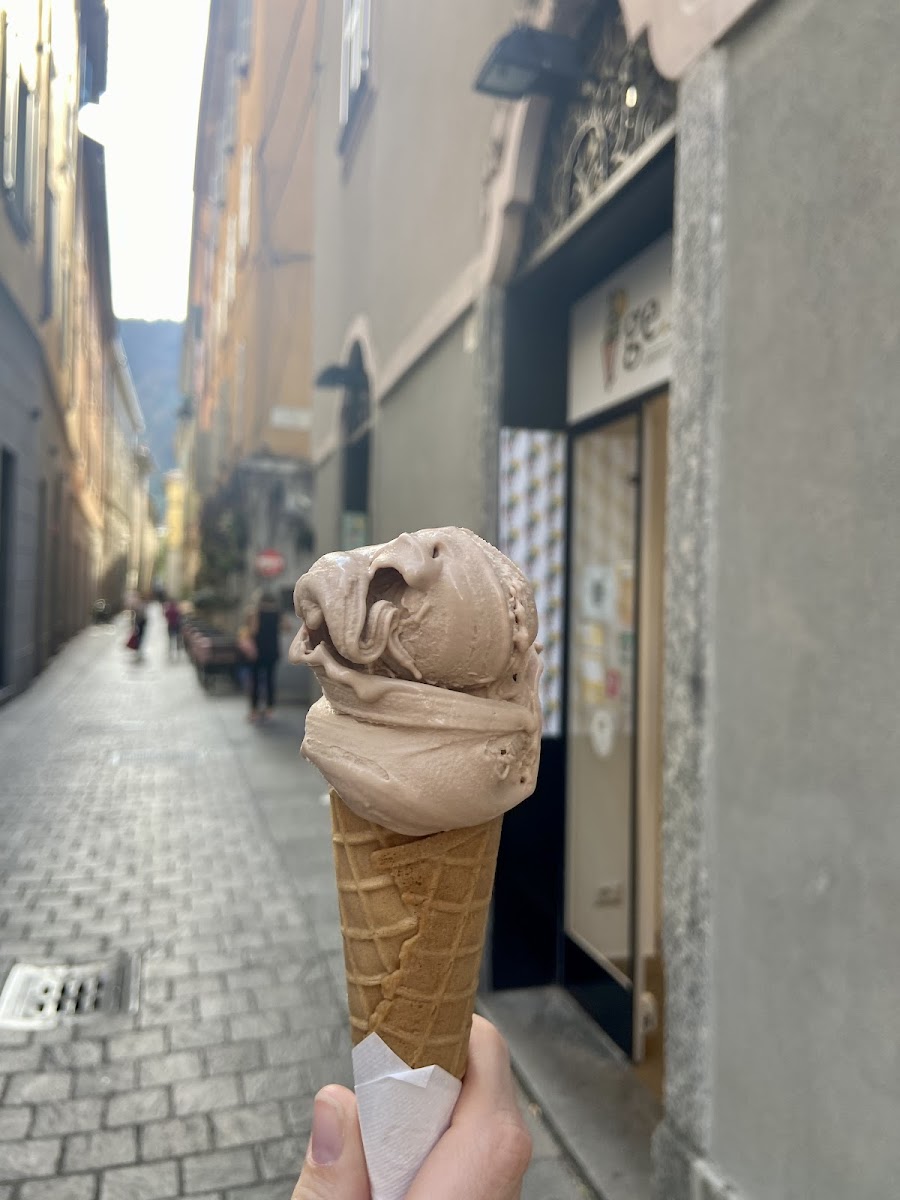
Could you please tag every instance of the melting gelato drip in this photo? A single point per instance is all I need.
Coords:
(425, 650)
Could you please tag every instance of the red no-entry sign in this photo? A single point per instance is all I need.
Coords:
(270, 563)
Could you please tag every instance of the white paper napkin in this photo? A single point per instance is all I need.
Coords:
(402, 1113)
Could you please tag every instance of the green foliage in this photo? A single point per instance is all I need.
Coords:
(223, 538)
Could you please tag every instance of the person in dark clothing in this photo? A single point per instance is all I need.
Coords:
(138, 607)
(173, 624)
(265, 628)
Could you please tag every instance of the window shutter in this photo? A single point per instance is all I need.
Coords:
(2, 90)
(246, 191)
(32, 160)
(355, 49)
(51, 251)
(229, 120)
(244, 35)
(231, 261)
(10, 110)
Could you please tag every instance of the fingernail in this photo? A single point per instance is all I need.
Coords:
(327, 1139)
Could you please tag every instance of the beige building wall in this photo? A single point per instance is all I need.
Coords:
(48, 266)
(174, 569)
(55, 402)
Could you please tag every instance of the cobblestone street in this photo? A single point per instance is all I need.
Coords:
(139, 814)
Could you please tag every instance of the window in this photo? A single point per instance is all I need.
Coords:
(229, 118)
(20, 135)
(87, 78)
(244, 36)
(23, 137)
(70, 134)
(217, 178)
(230, 260)
(222, 297)
(11, 77)
(354, 57)
(22, 190)
(240, 380)
(65, 311)
(50, 265)
(245, 196)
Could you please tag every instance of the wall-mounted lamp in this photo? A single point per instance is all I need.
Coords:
(531, 62)
(341, 375)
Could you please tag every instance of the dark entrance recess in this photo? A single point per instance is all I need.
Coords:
(7, 529)
(355, 422)
(528, 944)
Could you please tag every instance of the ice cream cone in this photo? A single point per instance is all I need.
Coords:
(413, 917)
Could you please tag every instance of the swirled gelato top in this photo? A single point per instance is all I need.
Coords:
(425, 649)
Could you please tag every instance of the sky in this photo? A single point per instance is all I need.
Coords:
(148, 123)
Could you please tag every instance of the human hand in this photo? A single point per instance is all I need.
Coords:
(482, 1156)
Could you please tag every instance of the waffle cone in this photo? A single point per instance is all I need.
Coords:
(413, 917)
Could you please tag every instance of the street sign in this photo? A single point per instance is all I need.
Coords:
(270, 564)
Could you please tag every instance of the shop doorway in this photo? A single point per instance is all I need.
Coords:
(612, 960)
(356, 419)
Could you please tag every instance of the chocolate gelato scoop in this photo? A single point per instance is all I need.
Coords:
(425, 650)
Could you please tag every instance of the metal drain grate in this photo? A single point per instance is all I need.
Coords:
(36, 997)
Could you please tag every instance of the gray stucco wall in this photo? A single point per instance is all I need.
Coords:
(426, 461)
(800, 798)
(398, 216)
(327, 501)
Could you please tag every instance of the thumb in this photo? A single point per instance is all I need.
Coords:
(335, 1166)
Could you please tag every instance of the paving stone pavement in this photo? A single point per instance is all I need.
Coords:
(139, 814)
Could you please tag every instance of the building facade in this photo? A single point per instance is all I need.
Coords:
(173, 575)
(125, 524)
(68, 437)
(245, 435)
(635, 333)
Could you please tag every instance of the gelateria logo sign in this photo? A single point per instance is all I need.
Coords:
(635, 334)
(622, 334)
(680, 30)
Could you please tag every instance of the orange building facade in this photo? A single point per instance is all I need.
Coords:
(244, 441)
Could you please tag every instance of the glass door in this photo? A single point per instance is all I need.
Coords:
(601, 819)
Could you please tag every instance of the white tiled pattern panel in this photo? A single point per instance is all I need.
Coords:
(532, 534)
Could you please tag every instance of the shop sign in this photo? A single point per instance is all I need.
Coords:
(297, 420)
(270, 564)
(621, 334)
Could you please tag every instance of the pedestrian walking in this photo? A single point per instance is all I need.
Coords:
(264, 629)
(138, 626)
(172, 611)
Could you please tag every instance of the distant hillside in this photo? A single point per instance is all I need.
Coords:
(154, 355)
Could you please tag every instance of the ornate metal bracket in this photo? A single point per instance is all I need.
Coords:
(589, 138)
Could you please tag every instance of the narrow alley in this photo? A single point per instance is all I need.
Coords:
(139, 815)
